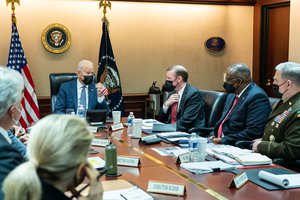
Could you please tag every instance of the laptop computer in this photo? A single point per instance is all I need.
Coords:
(163, 128)
(96, 117)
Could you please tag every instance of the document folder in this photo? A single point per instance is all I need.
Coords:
(253, 176)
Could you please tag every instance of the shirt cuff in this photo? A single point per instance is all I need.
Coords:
(100, 99)
(165, 108)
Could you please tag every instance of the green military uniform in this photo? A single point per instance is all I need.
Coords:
(282, 132)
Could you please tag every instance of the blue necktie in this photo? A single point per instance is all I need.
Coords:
(82, 100)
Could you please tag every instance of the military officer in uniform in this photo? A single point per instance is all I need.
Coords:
(282, 132)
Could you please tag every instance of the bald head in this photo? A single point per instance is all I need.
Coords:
(240, 71)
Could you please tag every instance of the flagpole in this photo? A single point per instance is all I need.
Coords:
(104, 4)
(12, 2)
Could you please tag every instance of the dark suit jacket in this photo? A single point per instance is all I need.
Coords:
(247, 119)
(52, 193)
(10, 158)
(67, 97)
(190, 114)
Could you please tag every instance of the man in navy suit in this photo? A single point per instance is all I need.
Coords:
(185, 105)
(11, 94)
(246, 109)
(82, 91)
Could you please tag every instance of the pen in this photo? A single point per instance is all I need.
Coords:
(87, 185)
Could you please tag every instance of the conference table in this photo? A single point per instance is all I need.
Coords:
(164, 168)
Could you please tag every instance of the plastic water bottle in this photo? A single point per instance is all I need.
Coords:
(193, 147)
(81, 111)
(129, 122)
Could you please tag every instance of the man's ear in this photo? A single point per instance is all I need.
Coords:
(80, 173)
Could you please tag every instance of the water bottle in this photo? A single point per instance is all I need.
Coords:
(129, 122)
(81, 111)
(193, 147)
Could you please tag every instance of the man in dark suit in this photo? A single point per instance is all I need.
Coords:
(82, 91)
(246, 109)
(185, 105)
(11, 94)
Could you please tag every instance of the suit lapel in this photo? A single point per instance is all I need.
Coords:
(183, 98)
(74, 93)
(91, 95)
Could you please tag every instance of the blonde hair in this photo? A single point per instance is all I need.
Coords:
(58, 144)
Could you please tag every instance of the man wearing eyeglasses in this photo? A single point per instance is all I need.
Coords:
(246, 109)
(82, 91)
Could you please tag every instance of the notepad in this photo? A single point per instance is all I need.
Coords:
(253, 159)
(283, 180)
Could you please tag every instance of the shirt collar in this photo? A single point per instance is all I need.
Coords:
(240, 94)
(79, 84)
(180, 92)
(5, 135)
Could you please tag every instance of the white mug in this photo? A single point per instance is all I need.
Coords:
(137, 127)
(116, 117)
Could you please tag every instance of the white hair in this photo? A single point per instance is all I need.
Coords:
(83, 63)
(11, 88)
(58, 144)
(290, 71)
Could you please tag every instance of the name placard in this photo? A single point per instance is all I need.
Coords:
(238, 181)
(128, 161)
(93, 129)
(116, 127)
(183, 158)
(166, 188)
(150, 137)
(100, 142)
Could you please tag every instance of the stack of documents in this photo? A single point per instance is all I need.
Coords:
(206, 167)
(283, 180)
(253, 159)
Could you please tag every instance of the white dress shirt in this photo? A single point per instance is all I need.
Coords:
(180, 92)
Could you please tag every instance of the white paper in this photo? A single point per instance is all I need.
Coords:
(96, 162)
(283, 180)
(167, 151)
(133, 193)
(206, 167)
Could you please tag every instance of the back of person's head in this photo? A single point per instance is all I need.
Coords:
(180, 71)
(83, 63)
(240, 70)
(290, 71)
(58, 145)
(11, 88)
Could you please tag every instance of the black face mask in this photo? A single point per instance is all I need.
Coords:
(169, 86)
(229, 87)
(275, 90)
(88, 79)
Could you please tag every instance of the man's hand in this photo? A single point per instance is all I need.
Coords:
(172, 99)
(101, 90)
(255, 143)
(216, 140)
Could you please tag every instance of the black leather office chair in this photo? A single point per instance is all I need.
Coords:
(213, 105)
(56, 79)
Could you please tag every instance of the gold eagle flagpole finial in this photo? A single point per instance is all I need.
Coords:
(104, 4)
(12, 2)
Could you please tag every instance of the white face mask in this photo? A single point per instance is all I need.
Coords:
(20, 111)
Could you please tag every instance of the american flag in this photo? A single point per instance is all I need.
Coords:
(17, 61)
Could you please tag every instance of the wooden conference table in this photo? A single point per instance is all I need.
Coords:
(164, 168)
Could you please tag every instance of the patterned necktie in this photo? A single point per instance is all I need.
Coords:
(82, 100)
(220, 130)
(174, 112)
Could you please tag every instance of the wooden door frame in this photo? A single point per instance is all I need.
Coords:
(260, 9)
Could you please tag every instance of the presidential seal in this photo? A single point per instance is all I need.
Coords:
(215, 44)
(56, 38)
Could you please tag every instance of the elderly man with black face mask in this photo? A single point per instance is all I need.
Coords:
(281, 137)
(246, 109)
(185, 106)
(11, 94)
(82, 91)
